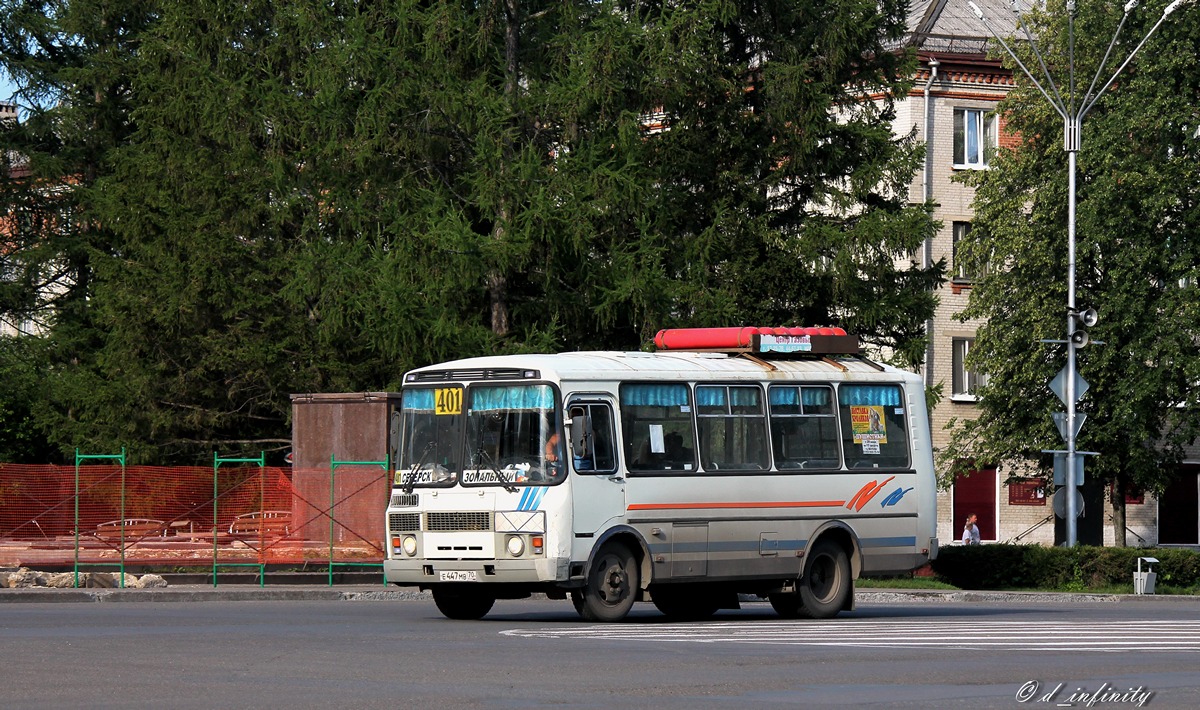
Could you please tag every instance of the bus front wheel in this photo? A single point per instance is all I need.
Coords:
(611, 586)
(458, 604)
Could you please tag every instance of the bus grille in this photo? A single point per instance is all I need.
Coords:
(402, 500)
(404, 522)
(458, 522)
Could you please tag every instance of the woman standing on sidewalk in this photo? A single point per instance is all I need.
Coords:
(970, 534)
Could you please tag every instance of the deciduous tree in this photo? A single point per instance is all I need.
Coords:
(1138, 261)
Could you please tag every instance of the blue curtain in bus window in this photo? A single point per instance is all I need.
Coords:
(710, 397)
(418, 400)
(654, 395)
(784, 396)
(884, 395)
(537, 397)
(812, 396)
(815, 396)
(743, 397)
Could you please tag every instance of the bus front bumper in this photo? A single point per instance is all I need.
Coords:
(425, 572)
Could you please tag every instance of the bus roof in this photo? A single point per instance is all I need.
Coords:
(670, 365)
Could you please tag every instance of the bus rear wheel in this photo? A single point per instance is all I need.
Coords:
(685, 602)
(462, 605)
(823, 590)
(611, 586)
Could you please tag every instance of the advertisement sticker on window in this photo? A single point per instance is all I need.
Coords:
(869, 427)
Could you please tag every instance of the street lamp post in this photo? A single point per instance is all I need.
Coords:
(1072, 114)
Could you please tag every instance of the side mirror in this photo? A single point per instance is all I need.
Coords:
(581, 427)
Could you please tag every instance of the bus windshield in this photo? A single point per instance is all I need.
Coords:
(513, 436)
(429, 452)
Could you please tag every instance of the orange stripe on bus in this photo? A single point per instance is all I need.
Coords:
(767, 504)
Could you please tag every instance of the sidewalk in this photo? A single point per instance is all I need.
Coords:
(377, 592)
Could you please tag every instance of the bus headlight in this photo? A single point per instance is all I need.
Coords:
(516, 546)
(410, 545)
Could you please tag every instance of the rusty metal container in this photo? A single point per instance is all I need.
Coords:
(345, 427)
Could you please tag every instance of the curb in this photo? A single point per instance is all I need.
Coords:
(43, 595)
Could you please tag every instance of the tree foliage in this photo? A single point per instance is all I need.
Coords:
(1138, 258)
(316, 196)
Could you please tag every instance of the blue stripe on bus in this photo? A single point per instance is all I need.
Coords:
(531, 498)
(888, 542)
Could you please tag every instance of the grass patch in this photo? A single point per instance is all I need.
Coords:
(902, 583)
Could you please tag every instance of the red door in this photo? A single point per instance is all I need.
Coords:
(975, 492)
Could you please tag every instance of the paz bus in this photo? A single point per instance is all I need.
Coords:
(773, 462)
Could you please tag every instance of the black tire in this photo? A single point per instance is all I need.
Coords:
(825, 587)
(684, 602)
(823, 590)
(786, 604)
(462, 605)
(611, 587)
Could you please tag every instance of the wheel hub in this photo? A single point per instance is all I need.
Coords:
(614, 583)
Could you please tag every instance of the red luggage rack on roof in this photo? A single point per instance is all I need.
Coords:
(759, 341)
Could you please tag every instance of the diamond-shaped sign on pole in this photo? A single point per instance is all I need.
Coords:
(1060, 421)
(1059, 386)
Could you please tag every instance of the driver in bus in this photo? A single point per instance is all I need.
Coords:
(553, 455)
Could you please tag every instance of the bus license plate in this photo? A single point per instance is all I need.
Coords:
(458, 576)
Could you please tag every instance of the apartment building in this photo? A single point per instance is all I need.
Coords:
(952, 109)
(13, 224)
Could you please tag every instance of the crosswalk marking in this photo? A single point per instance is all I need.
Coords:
(1147, 636)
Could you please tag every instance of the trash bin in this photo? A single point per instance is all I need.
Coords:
(1143, 582)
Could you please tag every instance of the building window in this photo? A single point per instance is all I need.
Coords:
(965, 269)
(1030, 491)
(1132, 495)
(966, 383)
(974, 137)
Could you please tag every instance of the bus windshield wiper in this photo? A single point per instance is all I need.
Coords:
(482, 456)
(416, 468)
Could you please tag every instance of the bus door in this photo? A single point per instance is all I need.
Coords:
(598, 486)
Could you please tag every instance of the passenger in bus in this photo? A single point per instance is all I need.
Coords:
(677, 455)
(646, 458)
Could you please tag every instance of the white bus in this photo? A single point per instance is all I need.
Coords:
(733, 461)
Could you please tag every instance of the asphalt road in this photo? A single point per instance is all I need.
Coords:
(537, 653)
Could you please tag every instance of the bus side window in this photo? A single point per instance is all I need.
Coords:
(803, 427)
(874, 430)
(592, 438)
(657, 422)
(733, 431)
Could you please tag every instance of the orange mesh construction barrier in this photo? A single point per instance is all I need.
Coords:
(170, 517)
